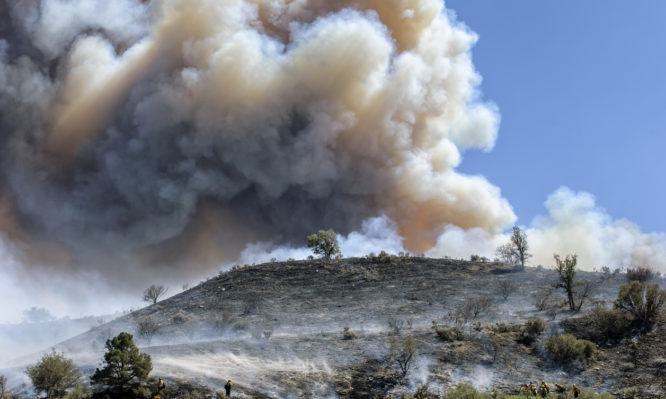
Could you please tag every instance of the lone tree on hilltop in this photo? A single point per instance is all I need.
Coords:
(520, 247)
(515, 251)
(53, 374)
(125, 373)
(153, 293)
(324, 243)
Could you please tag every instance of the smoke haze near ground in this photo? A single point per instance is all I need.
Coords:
(151, 141)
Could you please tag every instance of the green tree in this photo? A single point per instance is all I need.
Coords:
(53, 374)
(126, 371)
(642, 301)
(324, 243)
(403, 353)
(519, 244)
(566, 269)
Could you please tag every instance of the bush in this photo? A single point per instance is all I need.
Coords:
(641, 274)
(610, 324)
(567, 348)
(348, 334)
(643, 302)
(450, 333)
(534, 327)
(125, 373)
(54, 374)
(505, 288)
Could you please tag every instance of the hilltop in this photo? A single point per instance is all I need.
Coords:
(278, 330)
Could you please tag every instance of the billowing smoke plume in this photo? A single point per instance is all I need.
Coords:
(132, 127)
(142, 136)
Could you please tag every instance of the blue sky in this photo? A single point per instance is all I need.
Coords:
(582, 93)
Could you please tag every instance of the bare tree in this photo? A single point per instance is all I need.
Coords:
(153, 293)
(147, 327)
(505, 253)
(505, 288)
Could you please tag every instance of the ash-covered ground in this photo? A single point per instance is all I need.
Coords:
(277, 330)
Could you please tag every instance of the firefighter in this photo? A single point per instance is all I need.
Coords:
(560, 388)
(533, 389)
(227, 387)
(576, 391)
(160, 385)
(544, 390)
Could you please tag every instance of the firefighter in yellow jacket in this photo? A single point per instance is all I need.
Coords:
(227, 387)
(544, 389)
(576, 391)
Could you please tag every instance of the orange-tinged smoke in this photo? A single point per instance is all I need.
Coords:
(264, 118)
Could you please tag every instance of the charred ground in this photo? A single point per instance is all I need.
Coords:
(277, 329)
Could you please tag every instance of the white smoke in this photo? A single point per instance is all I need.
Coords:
(574, 224)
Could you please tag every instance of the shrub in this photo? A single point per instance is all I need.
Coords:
(125, 373)
(543, 298)
(505, 288)
(450, 333)
(610, 324)
(534, 327)
(347, 334)
(643, 302)
(502, 327)
(324, 242)
(53, 374)
(641, 274)
(403, 354)
(567, 348)
(472, 308)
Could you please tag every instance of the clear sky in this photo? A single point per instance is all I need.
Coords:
(581, 88)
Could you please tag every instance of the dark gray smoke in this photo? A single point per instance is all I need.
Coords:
(175, 132)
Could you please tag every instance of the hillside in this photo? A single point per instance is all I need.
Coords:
(276, 330)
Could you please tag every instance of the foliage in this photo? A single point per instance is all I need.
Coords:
(519, 242)
(450, 333)
(643, 302)
(3, 386)
(534, 327)
(577, 291)
(324, 243)
(610, 324)
(403, 353)
(125, 373)
(641, 274)
(153, 293)
(53, 374)
(567, 348)
(79, 392)
(467, 391)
